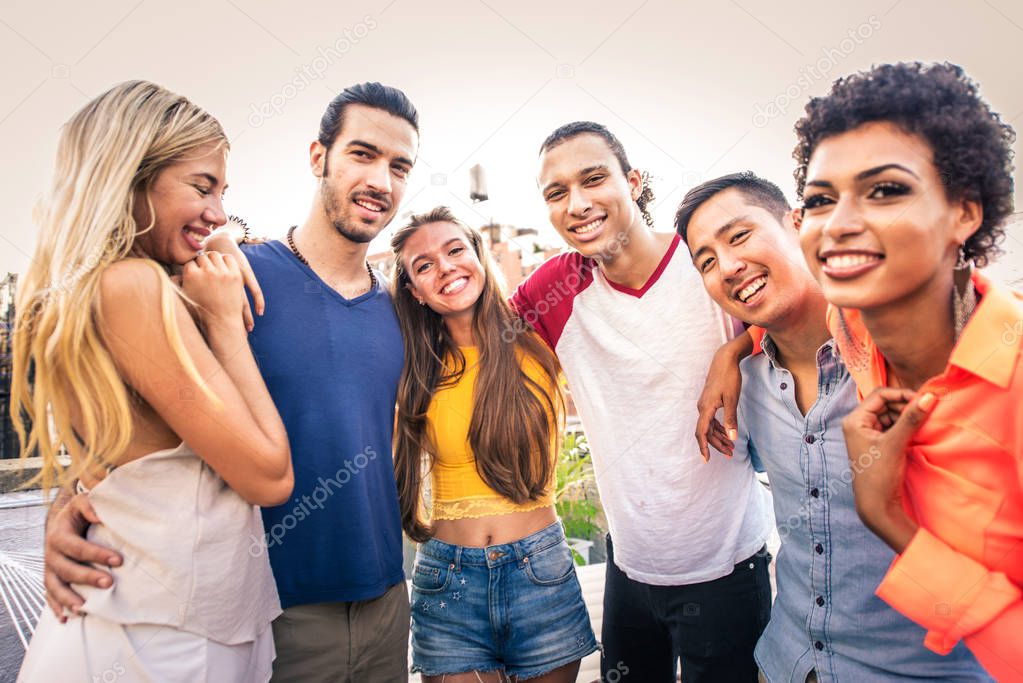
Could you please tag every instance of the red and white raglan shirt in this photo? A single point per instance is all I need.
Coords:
(636, 360)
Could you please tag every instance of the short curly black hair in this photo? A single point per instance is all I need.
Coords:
(940, 103)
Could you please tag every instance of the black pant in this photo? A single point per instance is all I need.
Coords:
(712, 626)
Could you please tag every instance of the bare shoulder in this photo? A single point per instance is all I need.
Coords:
(130, 281)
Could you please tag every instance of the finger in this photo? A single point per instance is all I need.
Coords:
(216, 260)
(247, 313)
(60, 595)
(70, 572)
(703, 424)
(701, 442)
(81, 505)
(55, 607)
(731, 420)
(722, 445)
(252, 284)
(913, 416)
(879, 398)
(77, 549)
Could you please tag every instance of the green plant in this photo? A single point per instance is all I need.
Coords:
(574, 473)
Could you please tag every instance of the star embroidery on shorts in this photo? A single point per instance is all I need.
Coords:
(443, 605)
(426, 607)
(457, 595)
(461, 581)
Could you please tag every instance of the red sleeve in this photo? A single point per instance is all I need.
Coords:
(544, 300)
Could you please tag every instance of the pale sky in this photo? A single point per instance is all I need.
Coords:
(686, 86)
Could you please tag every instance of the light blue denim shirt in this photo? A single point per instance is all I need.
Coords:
(826, 616)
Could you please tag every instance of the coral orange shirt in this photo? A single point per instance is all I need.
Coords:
(961, 575)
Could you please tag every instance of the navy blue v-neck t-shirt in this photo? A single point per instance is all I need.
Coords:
(332, 366)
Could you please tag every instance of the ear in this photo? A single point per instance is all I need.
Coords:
(793, 219)
(635, 180)
(317, 158)
(969, 216)
(414, 291)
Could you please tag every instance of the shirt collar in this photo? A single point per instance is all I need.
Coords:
(989, 346)
(827, 350)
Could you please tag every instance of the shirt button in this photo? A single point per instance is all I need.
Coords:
(784, 386)
(820, 601)
(809, 438)
(815, 493)
(819, 548)
(819, 645)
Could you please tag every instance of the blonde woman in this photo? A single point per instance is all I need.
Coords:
(155, 394)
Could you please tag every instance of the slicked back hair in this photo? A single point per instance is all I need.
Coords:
(375, 95)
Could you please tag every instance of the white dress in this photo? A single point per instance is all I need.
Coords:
(194, 598)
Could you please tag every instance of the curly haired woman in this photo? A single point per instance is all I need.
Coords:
(906, 178)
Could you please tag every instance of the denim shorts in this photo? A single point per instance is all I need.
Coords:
(516, 607)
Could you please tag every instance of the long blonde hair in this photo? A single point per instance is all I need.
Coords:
(110, 149)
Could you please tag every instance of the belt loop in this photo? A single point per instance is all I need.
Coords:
(458, 558)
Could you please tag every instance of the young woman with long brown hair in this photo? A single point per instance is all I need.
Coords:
(153, 390)
(479, 408)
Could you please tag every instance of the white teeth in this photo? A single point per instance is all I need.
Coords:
(589, 227)
(850, 260)
(455, 286)
(195, 233)
(368, 206)
(752, 288)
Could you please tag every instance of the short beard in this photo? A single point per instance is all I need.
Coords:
(336, 215)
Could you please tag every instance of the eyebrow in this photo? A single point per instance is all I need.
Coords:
(720, 231)
(212, 179)
(376, 150)
(422, 256)
(863, 175)
(586, 171)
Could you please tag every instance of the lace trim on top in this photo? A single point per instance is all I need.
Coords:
(465, 508)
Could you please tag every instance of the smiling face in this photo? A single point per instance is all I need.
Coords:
(749, 260)
(590, 201)
(187, 204)
(878, 227)
(444, 269)
(364, 173)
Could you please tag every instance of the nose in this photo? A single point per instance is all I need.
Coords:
(444, 265)
(730, 266)
(379, 177)
(214, 213)
(578, 202)
(844, 220)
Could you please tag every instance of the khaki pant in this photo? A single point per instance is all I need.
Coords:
(344, 642)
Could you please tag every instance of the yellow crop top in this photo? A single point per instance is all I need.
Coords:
(457, 490)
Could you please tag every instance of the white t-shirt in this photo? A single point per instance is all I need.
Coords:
(636, 361)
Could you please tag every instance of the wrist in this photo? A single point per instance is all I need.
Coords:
(894, 527)
(224, 329)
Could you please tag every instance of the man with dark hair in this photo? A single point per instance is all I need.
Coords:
(634, 331)
(826, 623)
(330, 350)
